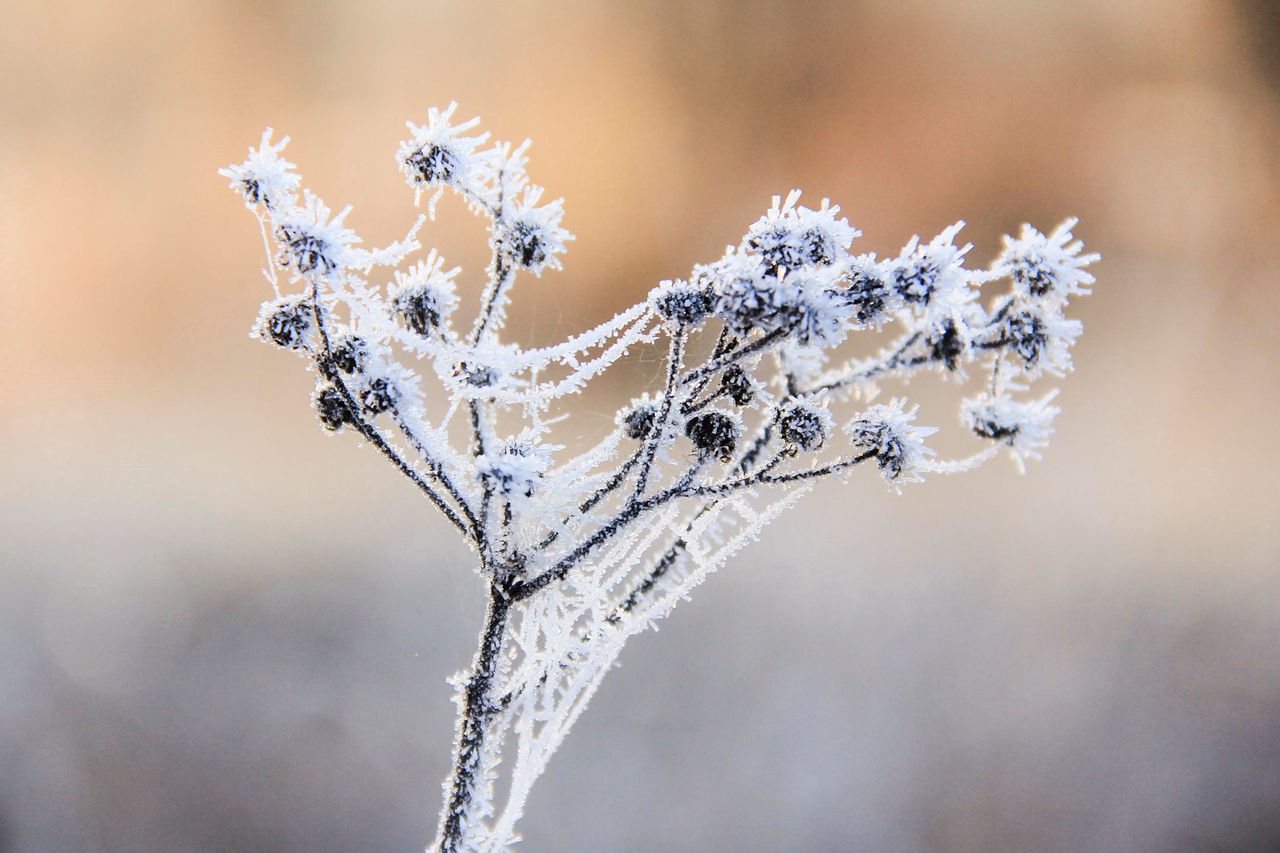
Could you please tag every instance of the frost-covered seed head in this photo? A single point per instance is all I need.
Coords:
(1024, 427)
(987, 421)
(424, 296)
(868, 294)
(876, 436)
(534, 238)
(350, 352)
(805, 426)
(886, 431)
(1043, 266)
(312, 240)
(946, 343)
(928, 275)
(517, 469)
(1027, 334)
(790, 236)
(303, 250)
(915, 280)
(1038, 334)
(820, 248)
(331, 408)
(265, 178)
(775, 247)
(420, 309)
(713, 432)
(286, 322)
(681, 303)
(816, 313)
(747, 298)
(638, 422)
(1032, 274)
(737, 385)
(431, 163)
(378, 395)
(438, 153)
(528, 245)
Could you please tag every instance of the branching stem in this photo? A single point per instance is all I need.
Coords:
(473, 718)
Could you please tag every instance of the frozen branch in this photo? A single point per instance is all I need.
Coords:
(580, 552)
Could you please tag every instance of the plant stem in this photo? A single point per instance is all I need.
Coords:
(473, 719)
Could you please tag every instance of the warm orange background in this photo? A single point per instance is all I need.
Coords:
(219, 630)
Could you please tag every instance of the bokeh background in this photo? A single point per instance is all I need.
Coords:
(220, 630)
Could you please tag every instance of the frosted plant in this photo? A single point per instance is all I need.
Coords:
(580, 552)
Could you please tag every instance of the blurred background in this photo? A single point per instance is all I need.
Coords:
(220, 630)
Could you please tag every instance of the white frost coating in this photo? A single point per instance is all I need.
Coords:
(266, 178)
(580, 551)
(887, 431)
(1051, 266)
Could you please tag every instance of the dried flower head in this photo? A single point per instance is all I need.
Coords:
(350, 353)
(886, 432)
(331, 407)
(791, 236)
(425, 295)
(534, 238)
(517, 468)
(804, 425)
(681, 303)
(439, 153)
(285, 322)
(1025, 427)
(265, 178)
(715, 432)
(1046, 267)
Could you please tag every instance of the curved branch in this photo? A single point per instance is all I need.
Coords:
(674, 357)
(758, 345)
(522, 589)
(371, 432)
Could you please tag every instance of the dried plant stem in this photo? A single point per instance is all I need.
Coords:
(476, 708)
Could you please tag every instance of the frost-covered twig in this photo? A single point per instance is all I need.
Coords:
(578, 553)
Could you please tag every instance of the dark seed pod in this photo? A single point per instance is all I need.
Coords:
(946, 345)
(819, 247)
(867, 293)
(638, 423)
(1034, 274)
(251, 189)
(737, 385)
(1027, 336)
(350, 353)
(419, 309)
(993, 429)
(289, 323)
(878, 436)
(528, 246)
(331, 407)
(378, 396)
(804, 427)
(304, 251)
(713, 432)
(777, 250)
(685, 304)
(915, 282)
(432, 164)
